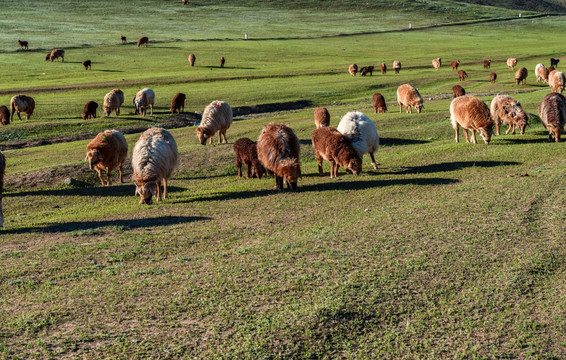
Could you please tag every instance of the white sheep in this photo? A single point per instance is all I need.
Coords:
(112, 101)
(362, 133)
(144, 98)
(217, 116)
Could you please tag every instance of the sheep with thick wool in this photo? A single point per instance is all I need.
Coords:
(556, 81)
(541, 73)
(552, 111)
(505, 108)
(22, 103)
(4, 115)
(112, 102)
(144, 98)
(409, 97)
(353, 69)
(361, 132)
(107, 151)
(246, 153)
(321, 117)
(178, 103)
(217, 117)
(471, 113)
(329, 144)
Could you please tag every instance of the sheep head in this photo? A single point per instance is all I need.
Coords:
(419, 106)
(202, 135)
(521, 120)
(290, 170)
(486, 134)
(146, 191)
(355, 165)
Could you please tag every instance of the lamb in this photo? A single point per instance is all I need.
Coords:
(409, 97)
(246, 153)
(87, 64)
(222, 61)
(396, 66)
(321, 117)
(4, 115)
(144, 98)
(2, 169)
(144, 40)
(521, 76)
(55, 54)
(365, 70)
(556, 80)
(278, 150)
(178, 103)
(554, 61)
(379, 103)
(123, 38)
(436, 63)
(23, 44)
(22, 103)
(112, 101)
(542, 73)
(455, 65)
(511, 63)
(107, 151)
(462, 75)
(552, 111)
(361, 131)
(457, 90)
(487, 64)
(383, 68)
(192, 59)
(492, 77)
(505, 108)
(329, 144)
(471, 113)
(353, 69)
(90, 110)
(217, 116)
(154, 158)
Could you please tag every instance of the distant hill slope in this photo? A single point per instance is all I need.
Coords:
(527, 5)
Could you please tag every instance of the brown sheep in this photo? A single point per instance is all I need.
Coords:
(365, 70)
(457, 90)
(462, 75)
(521, 76)
(185, 2)
(505, 108)
(383, 68)
(409, 96)
(455, 65)
(329, 144)
(192, 59)
(4, 115)
(123, 38)
(107, 151)
(90, 110)
(217, 117)
(492, 77)
(178, 103)
(353, 69)
(246, 153)
(379, 103)
(22, 103)
(2, 170)
(87, 64)
(541, 73)
(471, 113)
(487, 64)
(144, 40)
(554, 61)
(278, 150)
(551, 69)
(436, 63)
(55, 54)
(552, 111)
(556, 80)
(222, 61)
(511, 63)
(321, 117)
(397, 66)
(23, 44)
(112, 101)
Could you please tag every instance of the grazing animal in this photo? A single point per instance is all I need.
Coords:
(123, 38)
(383, 68)
(457, 90)
(2, 169)
(222, 61)
(278, 150)
(487, 64)
(217, 116)
(353, 69)
(365, 70)
(542, 73)
(87, 64)
(90, 110)
(455, 65)
(379, 103)
(396, 66)
(321, 117)
(556, 80)
(246, 153)
(511, 63)
(552, 111)
(361, 131)
(4, 115)
(154, 158)
(178, 103)
(492, 77)
(107, 151)
(409, 97)
(23, 44)
(521, 76)
(144, 40)
(55, 54)
(192, 59)
(185, 2)
(112, 101)
(144, 98)
(551, 69)
(436, 63)
(22, 104)
(462, 75)
(554, 62)
(505, 108)
(471, 113)
(329, 144)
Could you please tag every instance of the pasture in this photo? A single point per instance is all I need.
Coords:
(447, 251)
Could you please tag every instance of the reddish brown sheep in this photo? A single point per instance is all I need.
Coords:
(178, 103)
(383, 68)
(222, 61)
(2, 169)
(55, 54)
(505, 108)
(192, 59)
(521, 76)
(185, 2)
(87, 64)
(487, 64)
(552, 111)
(462, 75)
(409, 97)
(23, 44)
(511, 63)
(123, 38)
(492, 77)
(457, 90)
(329, 144)
(321, 117)
(144, 40)
(107, 151)
(22, 103)
(556, 80)
(396, 66)
(353, 69)
(379, 103)
(471, 114)
(90, 110)
(436, 63)
(246, 153)
(455, 65)
(554, 61)
(278, 150)
(4, 115)
(365, 70)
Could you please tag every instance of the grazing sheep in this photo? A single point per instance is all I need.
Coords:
(192, 59)
(123, 38)
(505, 108)
(353, 69)
(87, 64)
(365, 70)
(55, 54)
(409, 97)
(4, 115)
(321, 117)
(462, 75)
(487, 64)
(222, 61)
(144, 98)
(396, 66)
(361, 131)
(542, 73)
(521, 76)
(23, 44)
(436, 63)
(556, 80)
(511, 63)
(112, 101)
(22, 103)
(107, 151)
(153, 161)
(471, 113)
(246, 153)
(552, 111)
(455, 65)
(185, 2)
(379, 103)
(329, 144)
(383, 68)
(178, 103)
(492, 77)
(554, 61)
(90, 110)
(217, 116)
(278, 150)
(457, 90)
(143, 41)
(2, 169)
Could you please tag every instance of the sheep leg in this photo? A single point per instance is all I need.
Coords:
(19, 117)
(100, 176)
(151, 109)
(248, 169)
(278, 182)
(109, 181)
(409, 109)
(456, 129)
(332, 168)
(497, 128)
(210, 141)
(239, 166)
(474, 141)
(373, 162)
(121, 178)
(400, 108)
(164, 195)
(319, 159)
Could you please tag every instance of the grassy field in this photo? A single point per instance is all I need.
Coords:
(447, 251)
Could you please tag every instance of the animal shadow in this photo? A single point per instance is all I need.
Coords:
(452, 166)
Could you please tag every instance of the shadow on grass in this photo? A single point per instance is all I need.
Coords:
(122, 224)
(229, 67)
(451, 166)
(113, 190)
(542, 140)
(109, 71)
